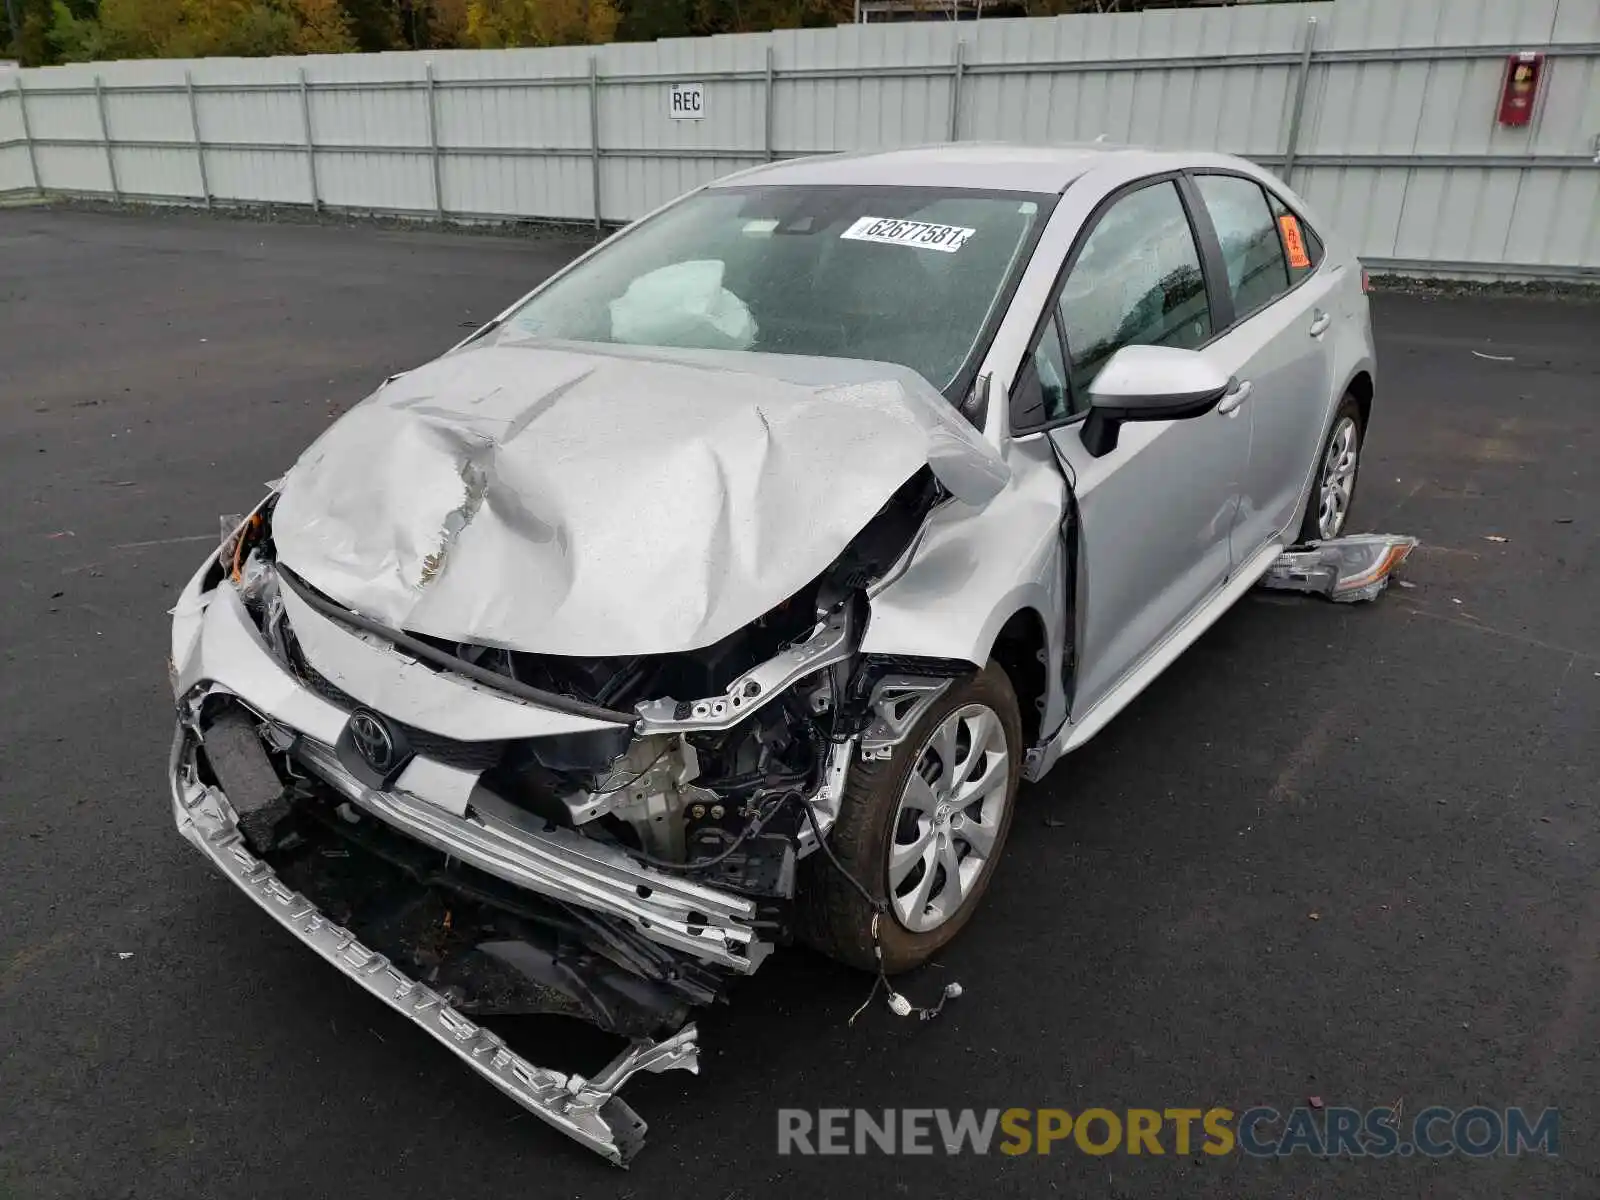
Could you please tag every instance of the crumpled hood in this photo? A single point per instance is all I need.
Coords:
(574, 501)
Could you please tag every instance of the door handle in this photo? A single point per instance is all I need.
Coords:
(1230, 403)
(1320, 323)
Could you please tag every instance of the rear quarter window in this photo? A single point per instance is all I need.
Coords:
(1299, 267)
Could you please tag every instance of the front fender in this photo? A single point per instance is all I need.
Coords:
(1357, 361)
(975, 568)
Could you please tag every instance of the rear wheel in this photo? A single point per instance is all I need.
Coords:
(922, 829)
(1334, 491)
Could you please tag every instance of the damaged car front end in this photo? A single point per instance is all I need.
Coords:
(469, 828)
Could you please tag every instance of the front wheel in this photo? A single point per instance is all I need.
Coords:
(922, 830)
(1334, 490)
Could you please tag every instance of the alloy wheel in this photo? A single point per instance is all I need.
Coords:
(1338, 478)
(949, 817)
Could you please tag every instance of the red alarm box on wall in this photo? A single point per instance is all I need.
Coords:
(1520, 88)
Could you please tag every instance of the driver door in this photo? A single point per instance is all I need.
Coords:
(1155, 513)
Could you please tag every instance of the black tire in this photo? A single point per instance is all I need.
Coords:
(1349, 410)
(832, 916)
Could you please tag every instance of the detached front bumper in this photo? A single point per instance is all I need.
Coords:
(588, 1110)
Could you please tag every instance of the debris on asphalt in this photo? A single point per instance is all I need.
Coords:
(1453, 600)
(1563, 520)
(1344, 569)
(1054, 822)
(1494, 357)
(1495, 537)
(124, 953)
(1405, 583)
(1315, 916)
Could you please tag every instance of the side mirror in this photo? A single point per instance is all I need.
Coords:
(1150, 383)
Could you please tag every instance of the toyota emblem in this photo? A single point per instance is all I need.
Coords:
(370, 736)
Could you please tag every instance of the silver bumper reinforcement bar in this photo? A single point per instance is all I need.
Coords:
(588, 1110)
(712, 925)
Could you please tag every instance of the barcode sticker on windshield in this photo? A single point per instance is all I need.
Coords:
(920, 234)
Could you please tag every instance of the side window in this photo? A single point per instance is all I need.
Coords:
(1137, 282)
(1252, 244)
(1301, 244)
(1040, 393)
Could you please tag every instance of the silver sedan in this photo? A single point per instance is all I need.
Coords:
(722, 590)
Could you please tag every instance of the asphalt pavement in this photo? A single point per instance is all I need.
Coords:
(1343, 852)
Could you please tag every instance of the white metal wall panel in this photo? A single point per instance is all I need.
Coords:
(1399, 145)
(1568, 119)
(1364, 24)
(631, 186)
(259, 176)
(1362, 203)
(1417, 109)
(142, 171)
(1531, 216)
(147, 117)
(251, 116)
(1557, 219)
(556, 187)
(1432, 228)
(131, 72)
(821, 115)
(1239, 109)
(15, 170)
(1576, 21)
(875, 108)
(387, 182)
(10, 114)
(635, 116)
(373, 116)
(72, 116)
(1364, 108)
(544, 117)
(73, 168)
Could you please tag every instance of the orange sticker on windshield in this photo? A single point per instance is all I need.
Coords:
(1293, 243)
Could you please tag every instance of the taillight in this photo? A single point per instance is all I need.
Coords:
(1366, 282)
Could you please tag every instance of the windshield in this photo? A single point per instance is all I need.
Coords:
(904, 275)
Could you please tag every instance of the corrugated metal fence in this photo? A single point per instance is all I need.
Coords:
(1383, 112)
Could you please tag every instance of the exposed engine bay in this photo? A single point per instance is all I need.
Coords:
(721, 745)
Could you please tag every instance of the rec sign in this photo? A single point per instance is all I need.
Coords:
(687, 101)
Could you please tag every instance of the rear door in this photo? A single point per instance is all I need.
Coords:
(1277, 341)
(1155, 513)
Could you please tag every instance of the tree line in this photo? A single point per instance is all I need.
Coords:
(42, 32)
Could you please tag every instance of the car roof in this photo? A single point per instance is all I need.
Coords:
(990, 166)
